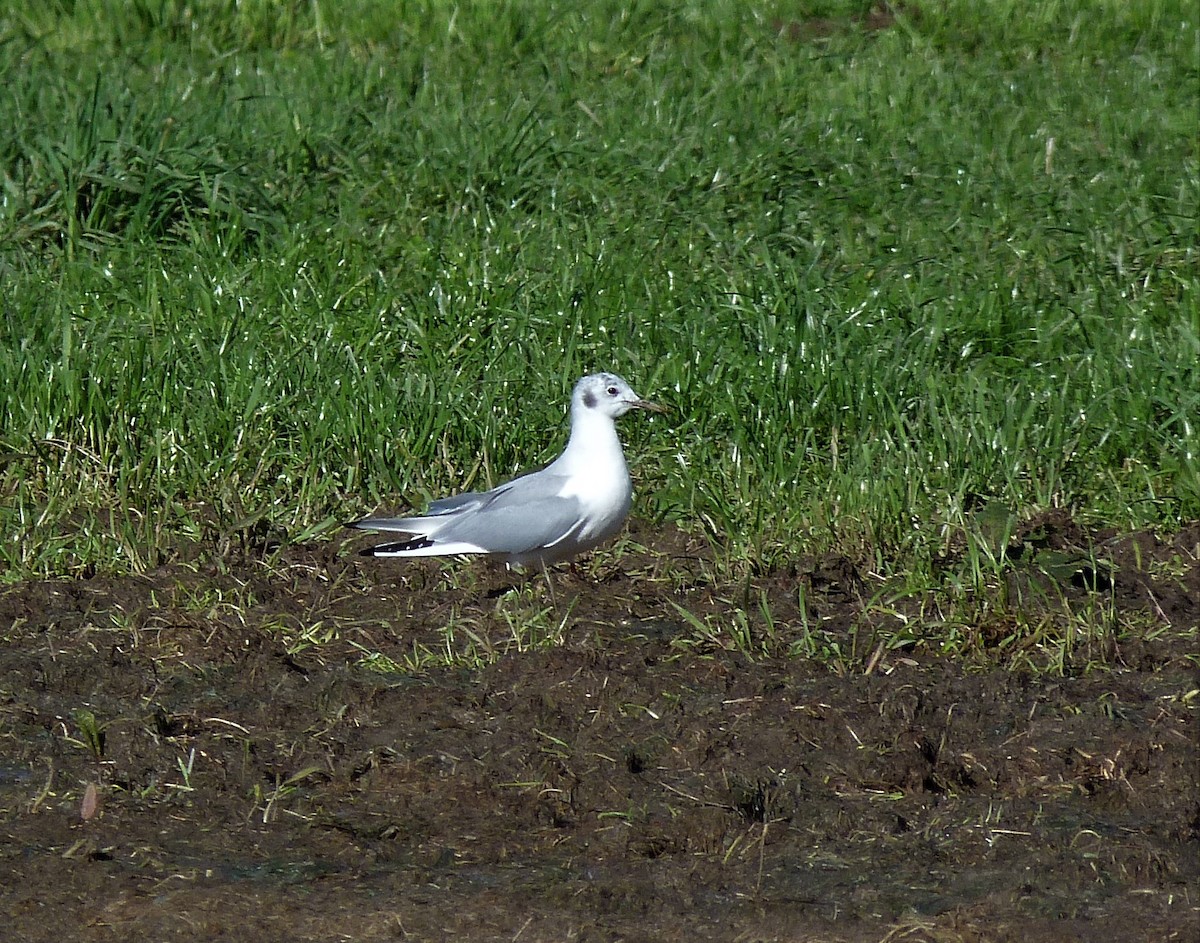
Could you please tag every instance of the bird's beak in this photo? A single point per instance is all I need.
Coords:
(649, 406)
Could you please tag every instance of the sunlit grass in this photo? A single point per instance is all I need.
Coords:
(266, 267)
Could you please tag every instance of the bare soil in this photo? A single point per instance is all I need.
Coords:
(271, 747)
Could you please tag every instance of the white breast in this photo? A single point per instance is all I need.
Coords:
(593, 466)
(605, 494)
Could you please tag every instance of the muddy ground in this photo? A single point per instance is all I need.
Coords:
(272, 746)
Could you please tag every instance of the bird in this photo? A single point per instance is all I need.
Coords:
(543, 517)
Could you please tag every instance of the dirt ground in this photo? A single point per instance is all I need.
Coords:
(294, 744)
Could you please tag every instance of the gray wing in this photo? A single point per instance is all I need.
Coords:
(524, 514)
(433, 516)
(532, 486)
(457, 503)
(519, 516)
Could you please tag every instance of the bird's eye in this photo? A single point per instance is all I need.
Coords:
(612, 391)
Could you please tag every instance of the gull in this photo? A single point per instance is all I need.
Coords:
(573, 504)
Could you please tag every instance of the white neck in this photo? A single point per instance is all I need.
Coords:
(593, 443)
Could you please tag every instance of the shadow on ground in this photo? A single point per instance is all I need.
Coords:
(307, 746)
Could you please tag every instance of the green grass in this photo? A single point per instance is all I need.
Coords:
(270, 265)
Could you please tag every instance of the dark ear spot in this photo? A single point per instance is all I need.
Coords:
(589, 399)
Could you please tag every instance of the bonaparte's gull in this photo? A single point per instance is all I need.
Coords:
(578, 501)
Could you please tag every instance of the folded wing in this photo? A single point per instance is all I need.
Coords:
(516, 519)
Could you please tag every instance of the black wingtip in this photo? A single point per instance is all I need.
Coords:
(399, 547)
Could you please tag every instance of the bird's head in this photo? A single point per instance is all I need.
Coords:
(609, 395)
